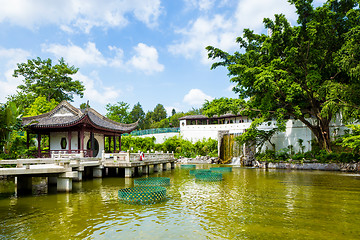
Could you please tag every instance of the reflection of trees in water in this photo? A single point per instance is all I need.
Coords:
(7, 188)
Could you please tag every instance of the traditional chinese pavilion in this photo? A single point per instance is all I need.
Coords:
(74, 130)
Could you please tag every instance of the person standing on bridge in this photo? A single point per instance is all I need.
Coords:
(142, 155)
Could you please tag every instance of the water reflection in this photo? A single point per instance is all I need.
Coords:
(247, 204)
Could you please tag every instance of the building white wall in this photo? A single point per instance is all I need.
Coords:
(295, 130)
(55, 138)
(161, 137)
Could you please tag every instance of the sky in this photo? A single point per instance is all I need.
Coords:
(146, 51)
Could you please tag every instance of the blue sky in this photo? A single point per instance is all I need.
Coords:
(147, 51)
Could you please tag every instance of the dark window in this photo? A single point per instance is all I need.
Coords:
(63, 143)
(96, 147)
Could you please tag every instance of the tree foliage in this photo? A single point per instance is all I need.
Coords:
(303, 71)
(178, 145)
(257, 137)
(41, 78)
(118, 112)
(159, 113)
(138, 114)
(10, 120)
(222, 106)
(352, 140)
(40, 106)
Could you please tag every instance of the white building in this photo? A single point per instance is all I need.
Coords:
(198, 127)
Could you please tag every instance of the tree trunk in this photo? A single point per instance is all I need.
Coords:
(321, 132)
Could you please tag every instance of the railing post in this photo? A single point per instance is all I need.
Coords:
(128, 156)
(103, 155)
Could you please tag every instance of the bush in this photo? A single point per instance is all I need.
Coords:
(298, 156)
(180, 147)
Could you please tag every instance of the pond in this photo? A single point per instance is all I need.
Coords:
(247, 204)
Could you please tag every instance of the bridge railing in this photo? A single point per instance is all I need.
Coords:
(133, 157)
(71, 153)
(20, 163)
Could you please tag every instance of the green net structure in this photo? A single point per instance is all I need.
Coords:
(152, 181)
(221, 169)
(187, 166)
(195, 171)
(142, 195)
(209, 176)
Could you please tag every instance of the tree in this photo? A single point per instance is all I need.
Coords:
(159, 113)
(352, 140)
(174, 119)
(257, 137)
(148, 121)
(195, 111)
(173, 112)
(10, 120)
(137, 113)
(118, 112)
(40, 106)
(84, 105)
(222, 106)
(52, 82)
(298, 71)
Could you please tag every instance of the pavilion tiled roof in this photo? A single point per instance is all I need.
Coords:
(65, 115)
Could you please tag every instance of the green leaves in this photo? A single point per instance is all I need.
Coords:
(352, 140)
(40, 106)
(10, 118)
(305, 70)
(222, 106)
(53, 82)
(118, 112)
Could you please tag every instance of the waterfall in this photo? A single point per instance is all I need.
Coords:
(235, 161)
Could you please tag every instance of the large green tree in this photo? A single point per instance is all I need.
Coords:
(159, 113)
(222, 106)
(305, 71)
(10, 118)
(138, 114)
(40, 106)
(118, 112)
(42, 78)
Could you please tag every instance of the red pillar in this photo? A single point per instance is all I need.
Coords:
(39, 145)
(69, 140)
(27, 139)
(114, 143)
(120, 143)
(82, 140)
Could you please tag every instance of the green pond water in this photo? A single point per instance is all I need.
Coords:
(247, 204)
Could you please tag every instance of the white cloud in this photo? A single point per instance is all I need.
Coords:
(76, 55)
(78, 14)
(169, 110)
(221, 30)
(202, 5)
(250, 13)
(117, 61)
(216, 31)
(9, 59)
(230, 88)
(196, 97)
(94, 89)
(146, 59)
